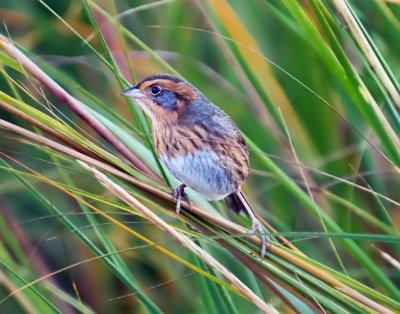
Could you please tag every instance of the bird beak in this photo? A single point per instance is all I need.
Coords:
(132, 92)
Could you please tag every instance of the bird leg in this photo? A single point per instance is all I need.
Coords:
(178, 194)
(256, 226)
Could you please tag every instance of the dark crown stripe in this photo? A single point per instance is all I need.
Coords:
(167, 77)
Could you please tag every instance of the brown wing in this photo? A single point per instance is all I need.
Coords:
(225, 139)
(216, 131)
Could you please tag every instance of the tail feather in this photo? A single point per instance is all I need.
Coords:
(234, 203)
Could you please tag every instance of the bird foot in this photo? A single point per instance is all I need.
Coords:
(178, 194)
(265, 241)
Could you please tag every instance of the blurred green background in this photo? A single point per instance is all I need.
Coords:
(274, 68)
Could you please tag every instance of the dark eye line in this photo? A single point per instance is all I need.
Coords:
(179, 96)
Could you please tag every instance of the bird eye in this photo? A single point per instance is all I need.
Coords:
(155, 90)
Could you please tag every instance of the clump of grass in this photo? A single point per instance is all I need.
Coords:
(313, 89)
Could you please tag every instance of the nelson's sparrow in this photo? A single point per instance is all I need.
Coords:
(196, 141)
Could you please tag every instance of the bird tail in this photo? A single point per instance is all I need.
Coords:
(235, 203)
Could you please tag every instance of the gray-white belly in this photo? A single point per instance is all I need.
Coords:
(201, 171)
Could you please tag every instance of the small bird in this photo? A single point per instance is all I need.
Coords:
(198, 142)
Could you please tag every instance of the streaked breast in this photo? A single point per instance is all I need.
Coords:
(202, 171)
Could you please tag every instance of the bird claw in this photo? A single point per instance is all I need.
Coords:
(265, 241)
(178, 194)
(256, 227)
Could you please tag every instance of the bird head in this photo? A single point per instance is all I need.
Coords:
(163, 97)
